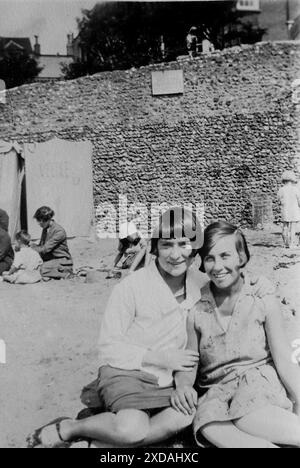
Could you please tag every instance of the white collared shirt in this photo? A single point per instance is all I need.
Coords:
(143, 315)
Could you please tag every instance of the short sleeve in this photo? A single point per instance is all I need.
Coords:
(195, 315)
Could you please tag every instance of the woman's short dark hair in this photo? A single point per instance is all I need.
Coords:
(44, 214)
(24, 237)
(175, 223)
(216, 231)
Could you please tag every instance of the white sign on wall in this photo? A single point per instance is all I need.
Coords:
(167, 82)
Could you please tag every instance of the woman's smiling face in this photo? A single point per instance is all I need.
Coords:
(175, 255)
(223, 263)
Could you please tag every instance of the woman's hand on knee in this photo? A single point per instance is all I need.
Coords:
(184, 399)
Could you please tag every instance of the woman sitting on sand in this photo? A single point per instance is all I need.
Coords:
(246, 367)
(53, 246)
(142, 343)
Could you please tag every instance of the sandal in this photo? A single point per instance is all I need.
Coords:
(34, 439)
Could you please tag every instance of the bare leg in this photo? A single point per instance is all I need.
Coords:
(227, 435)
(293, 234)
(9, 278)
(163, 425)
(274, 424)
(126, 428)
(285, 234)
(166, 424)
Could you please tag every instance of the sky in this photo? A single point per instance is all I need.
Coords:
(51, 20)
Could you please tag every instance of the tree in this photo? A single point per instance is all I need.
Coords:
(122, 35)
(18, 69)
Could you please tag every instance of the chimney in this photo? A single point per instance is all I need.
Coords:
(70, 50)
(37, 47)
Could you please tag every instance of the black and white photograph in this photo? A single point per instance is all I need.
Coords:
(150, 226)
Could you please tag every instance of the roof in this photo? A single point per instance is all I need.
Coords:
(52, 65)
(22, 43)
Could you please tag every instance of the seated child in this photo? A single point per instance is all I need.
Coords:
(27, 262)
(248, 385)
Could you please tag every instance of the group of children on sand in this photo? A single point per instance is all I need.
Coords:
(30, 263)
(177, 348)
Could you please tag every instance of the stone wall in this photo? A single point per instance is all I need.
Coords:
(224, 141)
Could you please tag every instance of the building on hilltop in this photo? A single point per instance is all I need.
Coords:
(14, 46)
(280, 18)
(51, 64)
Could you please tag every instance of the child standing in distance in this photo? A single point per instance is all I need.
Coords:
(27, 262)
(245, 367)
(289, 198)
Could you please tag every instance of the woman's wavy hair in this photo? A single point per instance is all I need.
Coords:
(216, 231)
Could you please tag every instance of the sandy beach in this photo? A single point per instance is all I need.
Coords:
(51, 331)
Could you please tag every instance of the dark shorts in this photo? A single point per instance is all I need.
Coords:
(119, 389)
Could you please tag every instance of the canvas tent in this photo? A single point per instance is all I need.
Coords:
(58, 174)
(11, 179)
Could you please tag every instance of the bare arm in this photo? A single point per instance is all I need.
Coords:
(184, 398)
(183, 360)
(280, 349)
(12, 270)
(188, 378)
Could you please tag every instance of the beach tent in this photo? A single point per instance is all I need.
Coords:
(58, 173)
(11, 183)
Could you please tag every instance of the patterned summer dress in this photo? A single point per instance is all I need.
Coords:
(237, 374)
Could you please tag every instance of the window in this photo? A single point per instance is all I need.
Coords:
(248, 5)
